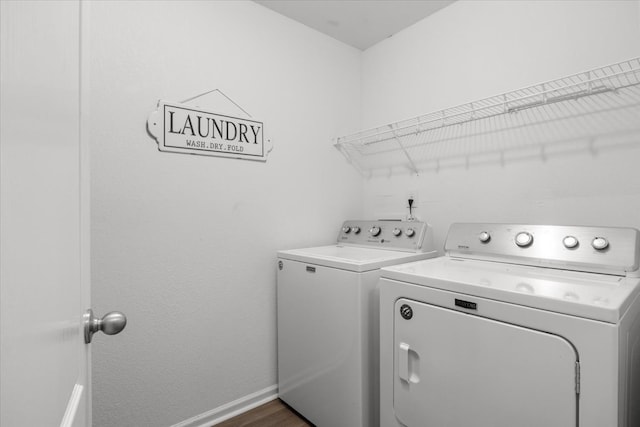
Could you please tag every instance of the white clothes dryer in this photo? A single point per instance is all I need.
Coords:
(328, 322)
(516, 326)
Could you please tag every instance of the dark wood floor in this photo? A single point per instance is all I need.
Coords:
(272, 414)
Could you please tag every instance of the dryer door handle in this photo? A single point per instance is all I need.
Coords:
(403, 362)
(408, 364)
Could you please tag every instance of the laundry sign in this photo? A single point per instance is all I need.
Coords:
(182, 128)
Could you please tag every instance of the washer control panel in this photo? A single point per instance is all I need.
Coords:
(610, 250)
(386, 234)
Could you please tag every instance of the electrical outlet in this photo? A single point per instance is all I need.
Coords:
(411, 195)
(411, 212)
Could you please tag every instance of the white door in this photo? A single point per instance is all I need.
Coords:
(44, 365)
(453, 369)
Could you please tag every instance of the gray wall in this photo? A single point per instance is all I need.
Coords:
(186, 245)
(476, 49)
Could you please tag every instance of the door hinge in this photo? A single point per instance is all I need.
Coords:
(577, 377)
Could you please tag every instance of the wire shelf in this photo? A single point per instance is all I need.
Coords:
(588, 105)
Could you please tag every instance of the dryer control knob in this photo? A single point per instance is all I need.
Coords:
(600, 243)
(397, 232)
(524, 239)
(375, 231)
(484, 237)
(346, 229)
(356, 230)
(570, 242)
(406, 312)
(410, 232)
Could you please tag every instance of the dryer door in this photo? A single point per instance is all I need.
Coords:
(457, 370)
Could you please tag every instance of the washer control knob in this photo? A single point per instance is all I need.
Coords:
(410, 232)
(484, 237)
(346, 229)
(375, 231)
(397, 232)
(524, 239)
(570, 242)
(600, 243)
(356, 230)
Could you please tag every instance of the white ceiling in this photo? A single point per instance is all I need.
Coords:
(359, 23)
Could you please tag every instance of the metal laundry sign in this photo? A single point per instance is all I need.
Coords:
(182, 128)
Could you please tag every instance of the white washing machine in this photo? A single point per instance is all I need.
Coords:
(516, 326)
(328, 343)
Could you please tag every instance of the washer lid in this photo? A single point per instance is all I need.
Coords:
(352, 258)
(589, 295)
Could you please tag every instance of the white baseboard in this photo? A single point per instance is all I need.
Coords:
(231, 409)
